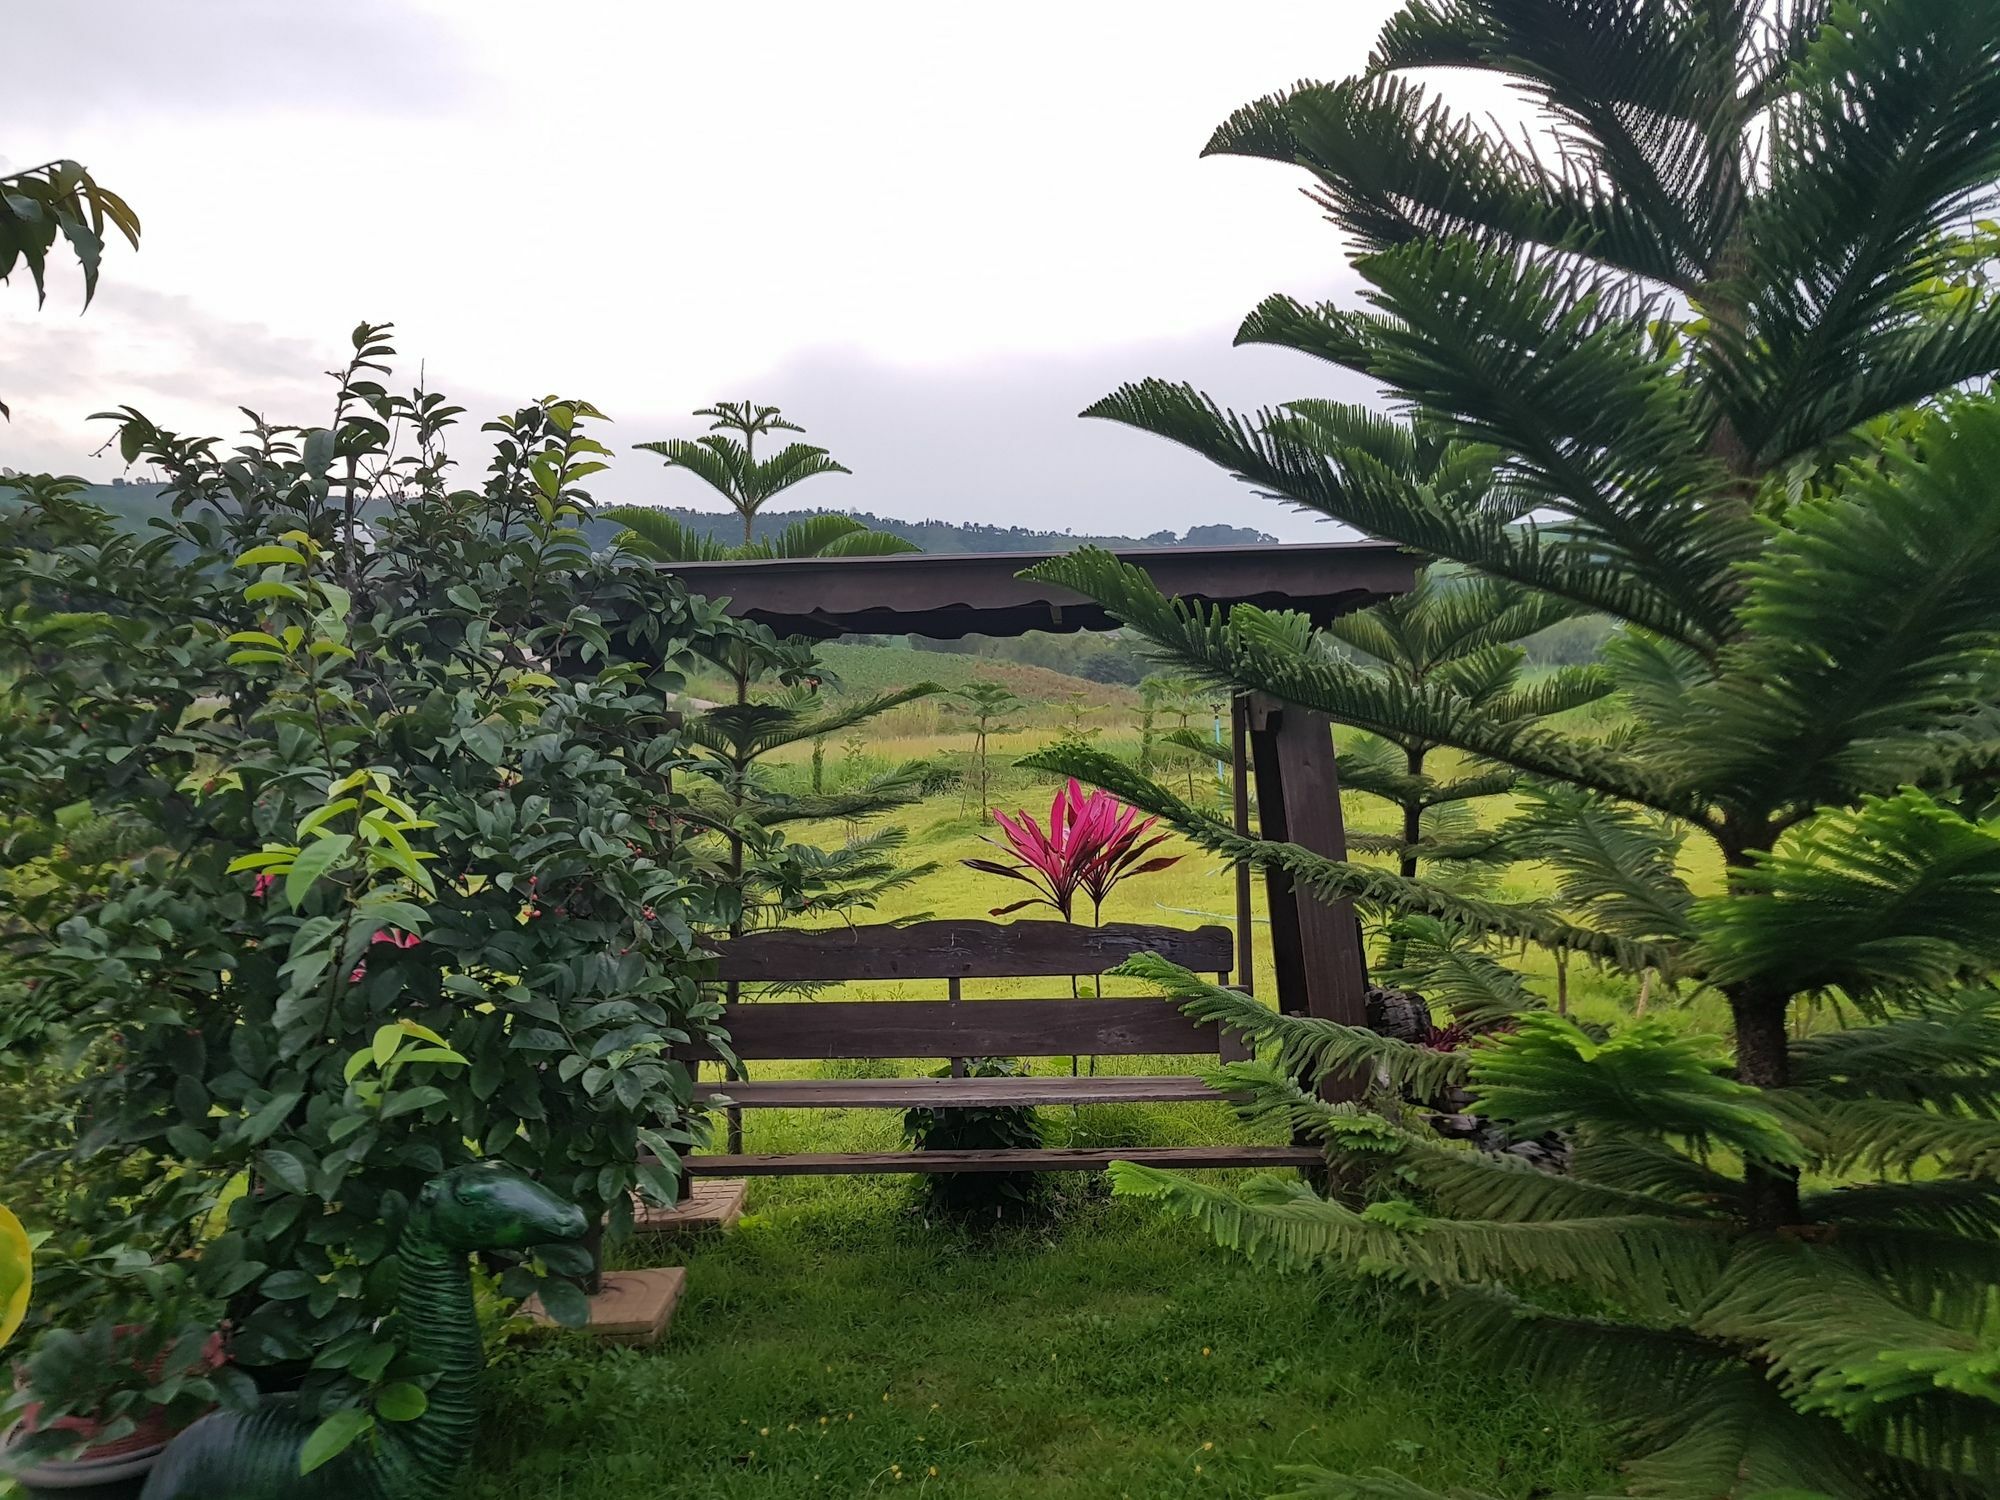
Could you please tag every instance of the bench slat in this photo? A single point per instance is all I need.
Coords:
(953, 1093)
(963, 950)
(773, 1029)
(1063, 1160)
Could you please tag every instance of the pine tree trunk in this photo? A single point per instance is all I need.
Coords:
(1413, 814)
(1763, 1060)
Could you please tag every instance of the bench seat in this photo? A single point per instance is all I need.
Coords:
(954, 1093)
(1068, 1159)
(910, 1030)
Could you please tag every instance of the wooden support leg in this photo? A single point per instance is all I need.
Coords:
(1316, 945)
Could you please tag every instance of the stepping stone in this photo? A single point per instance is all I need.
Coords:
(712, 1203)
(634, 1307)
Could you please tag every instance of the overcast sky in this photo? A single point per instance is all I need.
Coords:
(932, 232)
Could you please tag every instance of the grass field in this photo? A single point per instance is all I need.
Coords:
(840, 1342)
(836, 1344)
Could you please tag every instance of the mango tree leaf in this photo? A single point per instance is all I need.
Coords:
(284, 1169)
(402, 1402)
(333, 1437)
(565, 1302)
(314, 861)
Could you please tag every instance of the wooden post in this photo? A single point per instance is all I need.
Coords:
(1239, 767)
(954, 992)
(733, 992)
(1316, 946)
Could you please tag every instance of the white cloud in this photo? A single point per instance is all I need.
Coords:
(654, 205)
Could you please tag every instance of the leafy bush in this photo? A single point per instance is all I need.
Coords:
(1005, 1127)
(403, 759)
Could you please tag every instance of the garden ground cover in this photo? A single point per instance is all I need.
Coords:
(838, 1344)
(1060, 1360)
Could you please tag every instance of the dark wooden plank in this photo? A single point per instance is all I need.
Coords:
(1315, 945)
(1067, 1160)
(962, 950)
(969, 1028)
(951, 594)
(954, 1093)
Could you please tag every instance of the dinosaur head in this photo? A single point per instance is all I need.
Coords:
(486, 1205)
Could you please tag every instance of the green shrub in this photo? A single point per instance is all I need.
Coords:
(401, 753)
(1003, 1127)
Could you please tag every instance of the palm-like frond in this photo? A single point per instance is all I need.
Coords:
(1885, 134)
(660, 537)
(1663, 334)
(858, 542)
(1380, 503)
(1894, 895)
(1646, 1079)
(1450, 968)
(900, 786)
(1614, 865)
(1302, 1046)
(1495, 1186)
(716, 462)
(1627, 89)
(1332, 880)
(1264, 1094)
(1970, 1210)
(790, 465)
(1945, 1053)
(725, 457)
(1887, 1136)
(1644, 1261)
(1235, 648)
(1735, 1437)
(749, 730)
(1837, 1344)
(1899, 575)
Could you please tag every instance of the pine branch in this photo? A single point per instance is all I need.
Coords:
(1244, 648)
(1646, 1263)
(1580, 569)
(1302, 1046)
(1331, 880)
(1893, 896)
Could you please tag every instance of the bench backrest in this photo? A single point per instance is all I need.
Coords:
(953, 951)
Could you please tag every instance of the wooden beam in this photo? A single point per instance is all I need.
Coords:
(962, 950)
(1316, 945)
(815, 1164)
(960, 1093)
(971, 1028)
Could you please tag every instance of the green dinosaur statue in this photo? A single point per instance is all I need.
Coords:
(254, 1455)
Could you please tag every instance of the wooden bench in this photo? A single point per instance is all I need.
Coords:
(956, 1028)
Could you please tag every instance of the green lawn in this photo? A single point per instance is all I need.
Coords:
(1095, 1355)
(838, 1344)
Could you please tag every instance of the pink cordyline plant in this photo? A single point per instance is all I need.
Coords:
(1093, 842)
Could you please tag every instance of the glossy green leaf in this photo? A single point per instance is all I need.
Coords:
(313, 861)
(333, 1437)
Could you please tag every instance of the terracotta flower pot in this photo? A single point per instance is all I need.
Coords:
(112, 1470)
(92, 1475)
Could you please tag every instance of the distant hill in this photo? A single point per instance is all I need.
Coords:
(135, 503)
(968, 536)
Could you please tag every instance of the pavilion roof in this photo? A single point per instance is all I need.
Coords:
(946, 595)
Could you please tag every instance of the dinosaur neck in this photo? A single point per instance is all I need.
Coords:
(442, 1327)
